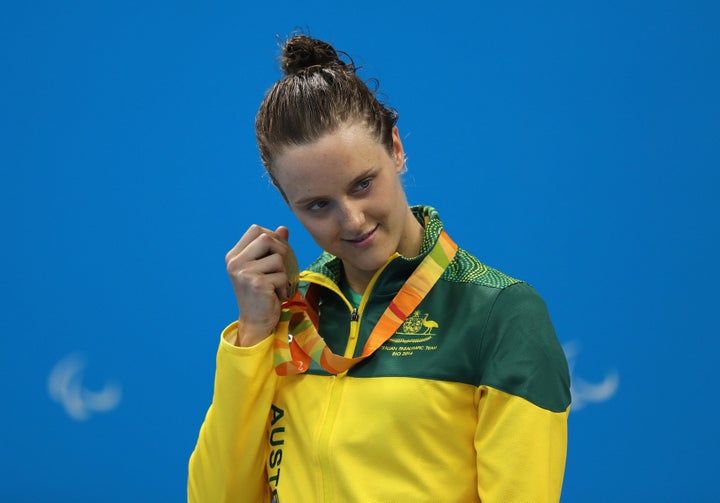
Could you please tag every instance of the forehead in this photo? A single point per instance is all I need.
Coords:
(334, 157)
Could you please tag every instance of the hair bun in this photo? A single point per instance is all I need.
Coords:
(302, 52)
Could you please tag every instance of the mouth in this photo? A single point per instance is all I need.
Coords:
(363, 240)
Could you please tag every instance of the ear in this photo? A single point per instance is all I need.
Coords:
(398, 150)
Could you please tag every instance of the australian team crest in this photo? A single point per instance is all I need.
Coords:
(416, 328)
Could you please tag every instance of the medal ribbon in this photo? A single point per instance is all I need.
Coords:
(299, 317)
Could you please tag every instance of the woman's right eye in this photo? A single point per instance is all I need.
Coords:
(317, 205)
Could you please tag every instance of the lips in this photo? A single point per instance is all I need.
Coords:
(363, 239)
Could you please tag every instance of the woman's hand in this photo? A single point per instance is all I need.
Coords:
(256, 266)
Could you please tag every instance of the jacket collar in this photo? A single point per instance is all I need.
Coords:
(399, 268)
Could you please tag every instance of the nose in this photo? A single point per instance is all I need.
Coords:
(352, 217)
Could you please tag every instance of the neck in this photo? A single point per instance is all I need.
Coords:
(412, 237)
(409, 246)
(358, 280)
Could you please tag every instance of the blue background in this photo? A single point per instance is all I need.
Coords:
(575, 145)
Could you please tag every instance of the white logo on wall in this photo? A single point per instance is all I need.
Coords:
(584, 392)
(65, 386)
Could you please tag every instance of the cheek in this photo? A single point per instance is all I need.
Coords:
(320, 230)
(398, 195)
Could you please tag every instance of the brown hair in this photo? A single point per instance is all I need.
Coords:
(318, 94)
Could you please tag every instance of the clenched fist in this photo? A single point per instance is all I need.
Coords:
(263, 271)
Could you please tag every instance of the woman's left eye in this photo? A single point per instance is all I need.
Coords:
(364, 185)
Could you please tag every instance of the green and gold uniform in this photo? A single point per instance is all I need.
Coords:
(466, 402)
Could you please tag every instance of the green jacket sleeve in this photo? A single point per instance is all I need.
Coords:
(228, 463)
(523, 402)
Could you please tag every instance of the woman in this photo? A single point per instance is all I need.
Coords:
(403, 369)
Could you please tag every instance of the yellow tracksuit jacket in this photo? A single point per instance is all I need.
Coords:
(467, 402)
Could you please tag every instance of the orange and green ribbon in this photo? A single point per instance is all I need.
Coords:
(299, 318)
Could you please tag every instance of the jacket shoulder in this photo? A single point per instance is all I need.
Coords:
(466, 268)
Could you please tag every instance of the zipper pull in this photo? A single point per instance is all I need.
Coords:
(354, 315)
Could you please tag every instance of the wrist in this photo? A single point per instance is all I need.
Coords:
(249, 335)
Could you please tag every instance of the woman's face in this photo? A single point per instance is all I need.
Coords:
(345, 189)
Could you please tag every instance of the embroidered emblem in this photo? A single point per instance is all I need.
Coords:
(413, 335)
(417, 325)
(416, 328)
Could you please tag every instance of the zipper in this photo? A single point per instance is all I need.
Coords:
(337, 383)
(356, 313)
(324, 445)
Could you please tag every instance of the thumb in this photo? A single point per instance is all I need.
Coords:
(283, 232)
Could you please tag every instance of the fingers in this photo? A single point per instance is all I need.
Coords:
(258, 262)
(250, 235)
(259, 276)
(283, 232)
